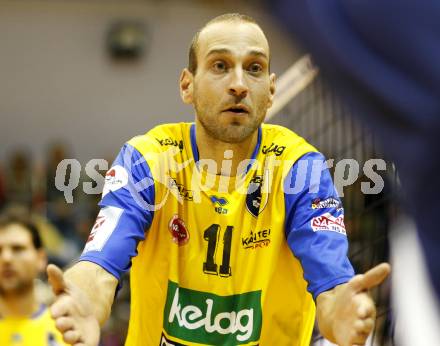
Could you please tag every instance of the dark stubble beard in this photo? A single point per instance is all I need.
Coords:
(235, 132)
(21, 288)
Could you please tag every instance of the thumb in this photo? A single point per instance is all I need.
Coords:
(56, 279)
(372, 278)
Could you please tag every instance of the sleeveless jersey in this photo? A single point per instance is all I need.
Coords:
(215, 266)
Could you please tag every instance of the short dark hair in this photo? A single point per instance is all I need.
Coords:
(228, 17)
(20, 216)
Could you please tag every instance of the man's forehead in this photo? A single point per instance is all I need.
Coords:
(232, 35)
(16, 234)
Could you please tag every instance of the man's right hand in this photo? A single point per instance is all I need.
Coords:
(72, 311)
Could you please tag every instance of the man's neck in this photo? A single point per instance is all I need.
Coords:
(22, 304)
(213, 149)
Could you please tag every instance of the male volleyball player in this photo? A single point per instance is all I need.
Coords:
(24, 321)
(230, 233)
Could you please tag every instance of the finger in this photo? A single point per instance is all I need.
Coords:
(56, 279)
(359, 338)
(376, 275)
(371, 278)
(62, 307)
(71, 337)
(366, 311)
(366, 308)
(64, 324)
(356, 283)
(364, 326)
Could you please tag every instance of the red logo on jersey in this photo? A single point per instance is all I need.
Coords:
(111, 173)
(178, 230)
(328, 222)
(98, 223)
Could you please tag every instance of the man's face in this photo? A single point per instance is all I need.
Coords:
(232, 88)
(20, 262)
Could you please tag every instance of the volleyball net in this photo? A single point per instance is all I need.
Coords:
(307, 104)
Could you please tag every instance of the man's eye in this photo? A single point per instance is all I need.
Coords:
(219, 66)
(18, 248)
(255, 68)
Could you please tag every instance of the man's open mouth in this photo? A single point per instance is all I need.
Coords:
(238, 109)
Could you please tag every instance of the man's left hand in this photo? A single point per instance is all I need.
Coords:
(346, 314)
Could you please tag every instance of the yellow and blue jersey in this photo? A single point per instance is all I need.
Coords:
(219, 260)
(37, 330)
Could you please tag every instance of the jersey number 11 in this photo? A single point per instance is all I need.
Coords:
(212, 236)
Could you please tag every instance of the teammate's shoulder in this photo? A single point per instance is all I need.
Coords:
(160, 137)
(282, 137)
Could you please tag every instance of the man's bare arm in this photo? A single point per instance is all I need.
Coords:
(346, 313)
(97, 283)
(83, 299)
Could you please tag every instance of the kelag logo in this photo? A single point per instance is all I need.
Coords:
(273, 148)
(170, 141)
(207, 318)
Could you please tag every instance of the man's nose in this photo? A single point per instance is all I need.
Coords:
(238, 87)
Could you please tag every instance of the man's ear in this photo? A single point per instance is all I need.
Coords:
(186, 85)
(272, 88)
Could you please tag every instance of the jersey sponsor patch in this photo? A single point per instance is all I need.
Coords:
(170, 141)
(181, 190)
(178, 230)
(331, 202)
(207, 318)
(273, 148)
(327, 222)
(257, 239)
(115, 178)
(105, 224)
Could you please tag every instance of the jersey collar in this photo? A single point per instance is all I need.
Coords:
(36, 314)
(195, 150)
(39, 312)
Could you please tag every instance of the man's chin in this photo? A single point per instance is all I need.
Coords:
(231, 130)
(14, 289)
(235, 133)
(7, 291)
